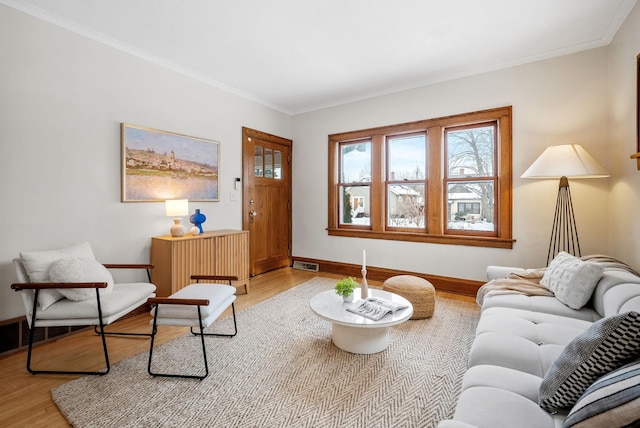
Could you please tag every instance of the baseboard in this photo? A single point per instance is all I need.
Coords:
(463, 287)
(15, 334)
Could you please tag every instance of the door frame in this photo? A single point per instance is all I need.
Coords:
(248, 185)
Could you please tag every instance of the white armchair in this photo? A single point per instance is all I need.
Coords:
(68, 287)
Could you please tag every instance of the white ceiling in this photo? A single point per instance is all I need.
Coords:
(301, 55)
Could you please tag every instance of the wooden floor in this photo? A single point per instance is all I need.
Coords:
(25, 399)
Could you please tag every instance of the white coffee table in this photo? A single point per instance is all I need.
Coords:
(355, 333)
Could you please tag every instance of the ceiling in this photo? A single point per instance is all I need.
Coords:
(301, 55)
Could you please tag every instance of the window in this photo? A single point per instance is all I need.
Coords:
(355, 182)
(405, 181)
(444, 180)
(267, 163)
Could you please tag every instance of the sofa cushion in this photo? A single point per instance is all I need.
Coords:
(521, 383)
(612, 401)
(571, 279)
(37, 264)
(494, 407)
(79, 269)
(539, 304)
(606, 345)
(536, 327)
(513, 352)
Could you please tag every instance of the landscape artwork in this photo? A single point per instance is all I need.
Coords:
(159, 165)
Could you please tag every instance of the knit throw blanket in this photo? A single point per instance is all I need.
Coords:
(528, 283)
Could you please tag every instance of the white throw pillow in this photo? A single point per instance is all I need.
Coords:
(571, 279)
(37, 264)
(78, 269)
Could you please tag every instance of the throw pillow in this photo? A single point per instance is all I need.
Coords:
(612, 401)
(77, 269)
(571, 279)
(37, 264)
(607, 345)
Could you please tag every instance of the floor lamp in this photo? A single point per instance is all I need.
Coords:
(564, 161)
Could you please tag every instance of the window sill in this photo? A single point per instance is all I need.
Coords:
(471, 241)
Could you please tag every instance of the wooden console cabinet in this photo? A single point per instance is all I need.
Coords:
(219, 252)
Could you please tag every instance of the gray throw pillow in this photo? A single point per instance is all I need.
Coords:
(571, 279)
(607, 345)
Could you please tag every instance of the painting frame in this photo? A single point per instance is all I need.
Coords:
(636, 155)
(158, 165)
(638, 105)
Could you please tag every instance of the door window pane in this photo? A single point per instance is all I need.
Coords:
(258, 168)
(268, 163)
(277, 164)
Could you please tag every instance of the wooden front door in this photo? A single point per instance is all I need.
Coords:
(266, 212)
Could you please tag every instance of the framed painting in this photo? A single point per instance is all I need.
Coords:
(159, 165)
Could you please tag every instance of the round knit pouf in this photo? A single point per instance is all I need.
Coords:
(418, 291)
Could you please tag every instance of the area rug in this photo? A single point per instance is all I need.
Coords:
(282, 370)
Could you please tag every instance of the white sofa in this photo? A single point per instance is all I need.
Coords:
(518, 339)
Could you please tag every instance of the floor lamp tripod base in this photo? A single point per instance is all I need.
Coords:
(564, 235)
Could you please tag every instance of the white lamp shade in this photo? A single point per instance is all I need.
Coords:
(569, 160)
(177, 207)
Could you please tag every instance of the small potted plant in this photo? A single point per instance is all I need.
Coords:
(345, 288)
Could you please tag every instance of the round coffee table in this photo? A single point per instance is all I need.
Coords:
(355, 333)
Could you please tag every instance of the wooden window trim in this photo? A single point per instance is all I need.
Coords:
(435, 211)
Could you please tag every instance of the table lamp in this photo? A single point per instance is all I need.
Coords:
(564, 162)
(177, 208)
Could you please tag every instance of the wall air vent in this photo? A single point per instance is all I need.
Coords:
(308, 266)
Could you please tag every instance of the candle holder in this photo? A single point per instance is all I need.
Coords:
(364, 289)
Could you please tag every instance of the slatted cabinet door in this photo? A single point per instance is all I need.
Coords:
(219, 252)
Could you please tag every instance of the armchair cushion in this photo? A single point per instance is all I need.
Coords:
(37, 264)
(571, 279)
(78, 269)
(123, 299)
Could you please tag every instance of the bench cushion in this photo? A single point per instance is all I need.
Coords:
(220, 297)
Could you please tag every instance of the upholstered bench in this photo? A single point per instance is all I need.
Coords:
(197, 306)
(417, 290)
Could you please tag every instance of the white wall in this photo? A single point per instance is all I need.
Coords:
(62, 99)
(625, 184)
(558, 101)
